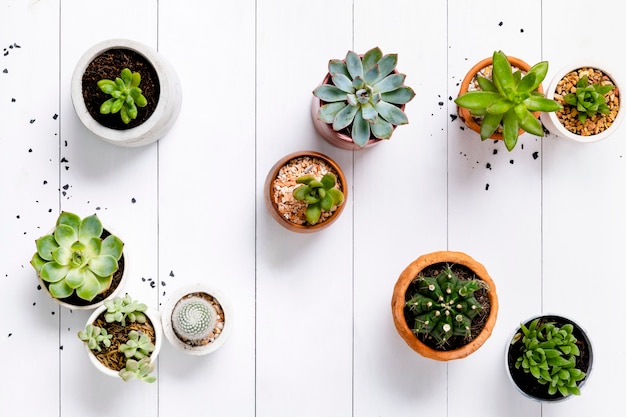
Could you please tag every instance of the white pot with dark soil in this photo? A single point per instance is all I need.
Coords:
(197, 319)
(158, 82)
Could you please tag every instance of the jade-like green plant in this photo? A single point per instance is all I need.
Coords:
(94, 336)
(509, 100)
(75, 258)
(549, 354)
(137, 346)
(121, 308)
(319, 195)
(125, 95)
(589, 98)
(141, 370)
(194, 319)
(444, 305)
(364, 96)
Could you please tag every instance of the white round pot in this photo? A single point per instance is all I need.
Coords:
(155, 319)
(163, 117)
(552, 123)
(168, 329)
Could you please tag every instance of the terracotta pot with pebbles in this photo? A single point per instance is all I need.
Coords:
(125, 122)
(549, 358)
(501, 97)
(80, 263)
(197, 319)
(305, 191)
(123, 339)
(444, 305)
(590, 96)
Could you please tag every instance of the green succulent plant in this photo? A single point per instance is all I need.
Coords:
(138, 345)
(364, 96)
(119, 309)
(509, 100)
(75, 258)
(319, 195)
(141, 370)
(94, 336)
(194, 319)
(589, 98)
(125, 95)
(549, 354)
(444, 305)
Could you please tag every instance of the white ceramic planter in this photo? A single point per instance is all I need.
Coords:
(167, 109)
(552, 123)
(168, 308)
(155, 319)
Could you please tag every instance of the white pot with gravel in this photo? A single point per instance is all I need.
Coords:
(584, 126)
(197, 319)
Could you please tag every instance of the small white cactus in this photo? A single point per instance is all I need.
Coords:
(194, 319)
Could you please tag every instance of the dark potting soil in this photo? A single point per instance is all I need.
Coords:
(527, 383)
(478, 323)
(109, 65)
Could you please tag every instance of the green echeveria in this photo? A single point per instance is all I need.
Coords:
(75, 259)
(364, 95)
(319, 195)
(589, 98)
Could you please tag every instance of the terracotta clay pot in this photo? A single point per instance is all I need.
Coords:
(338, 139)
(465, 115)
(398, 302)
(273, 207)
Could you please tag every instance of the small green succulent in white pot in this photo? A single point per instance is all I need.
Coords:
(197, 319)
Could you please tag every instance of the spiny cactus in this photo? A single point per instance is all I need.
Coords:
(125, 95)
(319, 195)
(94, 336)
(589, 99)
(194, 319)
(444, 305)
(549, 354)
(364, 94)
(74, 258)
(121, 308)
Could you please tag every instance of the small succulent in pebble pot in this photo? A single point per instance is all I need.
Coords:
(76, 258)
(196, 320)
(588, 98)
(318, 194)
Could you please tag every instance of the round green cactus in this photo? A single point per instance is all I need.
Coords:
(194, 319)
(74, 258)
(444, 305)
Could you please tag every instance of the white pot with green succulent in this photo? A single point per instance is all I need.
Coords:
(361, 100)
(125, 92)
(80, 262)
(123, 339)
(197, 319)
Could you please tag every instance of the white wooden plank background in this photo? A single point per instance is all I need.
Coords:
(313, 330)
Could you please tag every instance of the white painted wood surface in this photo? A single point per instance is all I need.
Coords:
(313, 334)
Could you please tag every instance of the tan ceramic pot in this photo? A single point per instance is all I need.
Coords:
(465, 115)
(399, 297)
(272, 205)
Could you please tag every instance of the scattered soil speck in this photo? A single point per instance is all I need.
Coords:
(32, 121)
(495, 151)
(10, 334)
(486, 187)
(535, 155)
(511, 162)
(56, 116)
(500, 24)
(171, 273)
(453, 117)
(133, 200)
(521, 30)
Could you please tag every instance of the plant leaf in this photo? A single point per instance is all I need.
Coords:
(329, 93)
(327, 112)
(360, 130)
